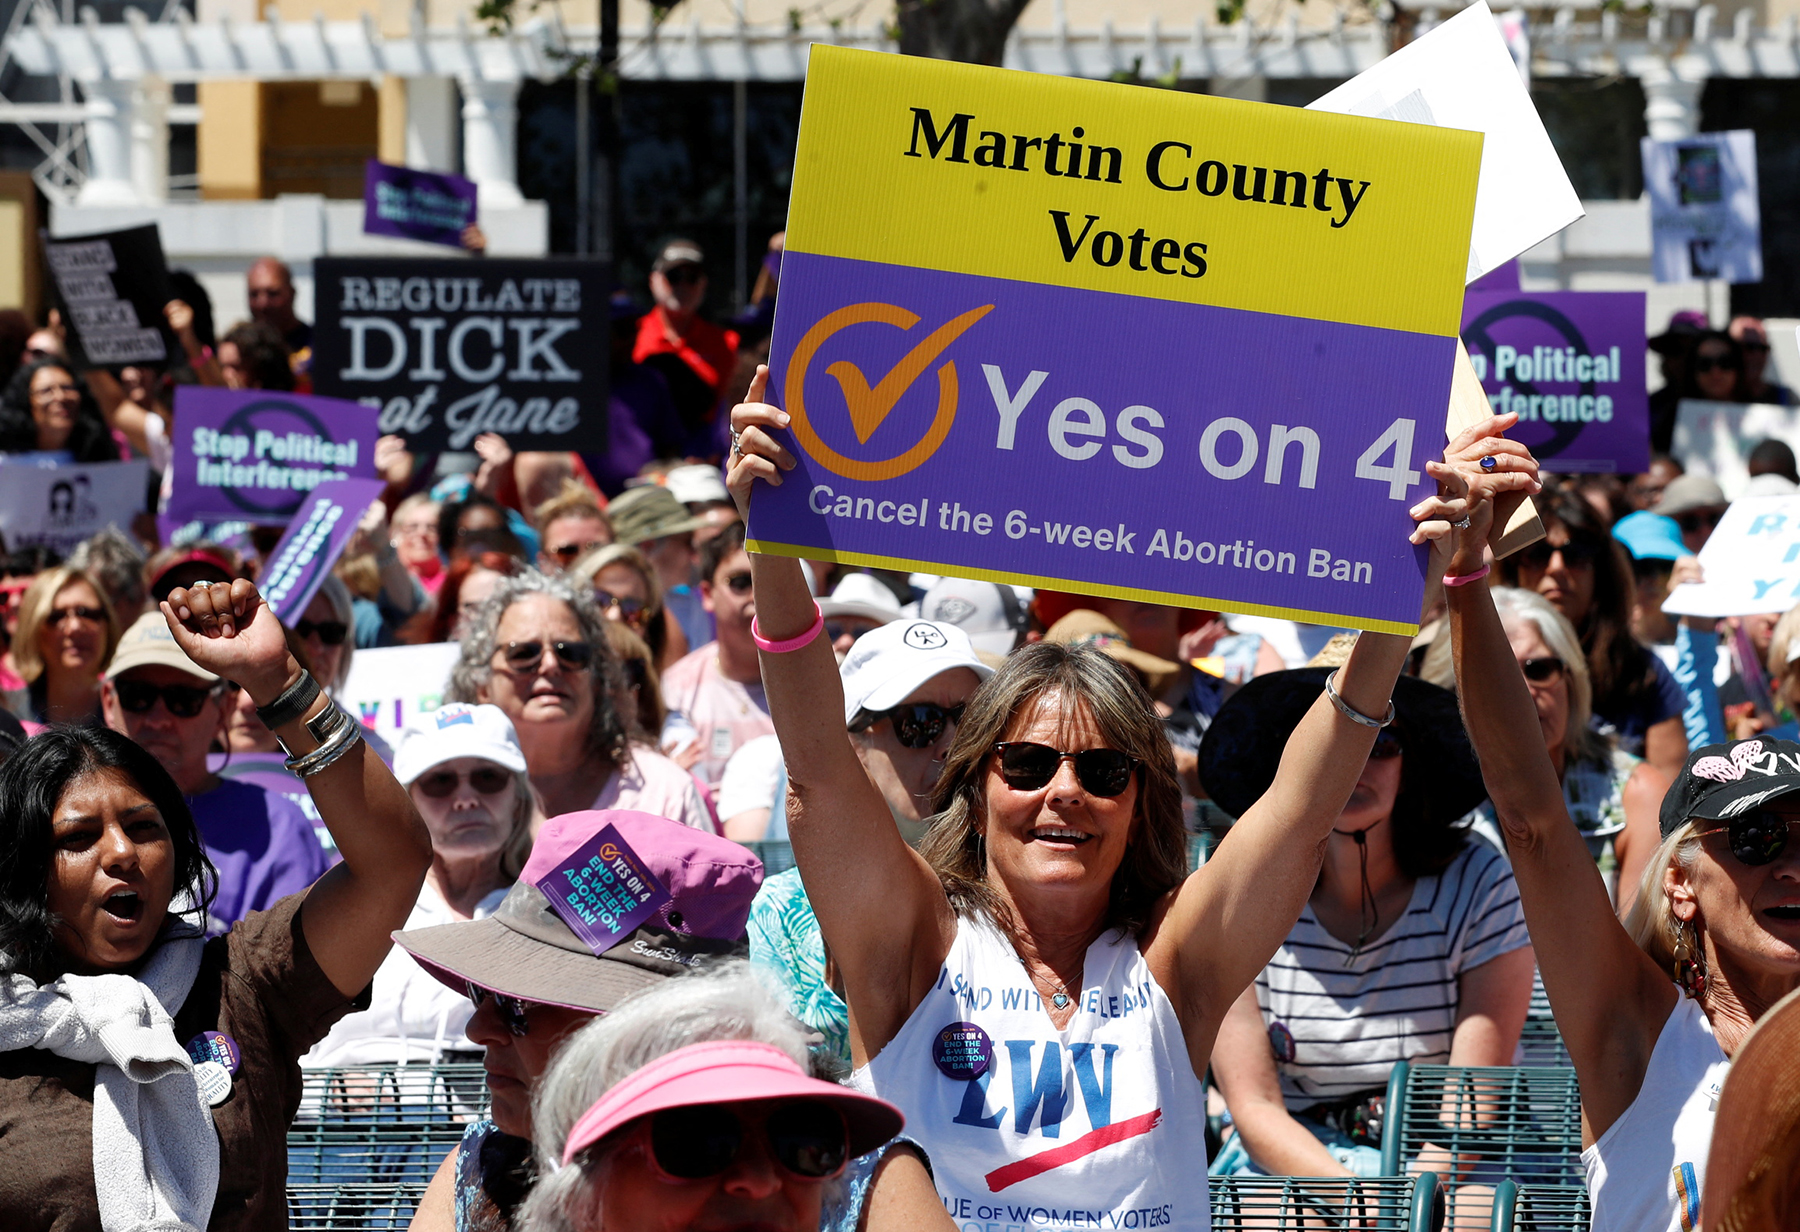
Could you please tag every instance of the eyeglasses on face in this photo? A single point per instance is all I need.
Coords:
(1696, 519)
(1711, 363)
(684, 275)
(1026, 766)
(1580, 550)
(59, 390)
(917, 725)
(182, 700)
(1545, 670)
(486, 780)
(805, 1136)
(515, 1014)
(569, 553)
(523, 656)
(329, 632)
(1756, 838)
(86, 615)
(628, 606)
(415, 529)
(740, 583)
(1387, 745)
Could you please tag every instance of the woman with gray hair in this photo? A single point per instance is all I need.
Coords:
(538, 650)
(1611, 796)
(690, 1105)
(1653, 1009)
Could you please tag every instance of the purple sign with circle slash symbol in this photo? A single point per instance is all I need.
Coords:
(962, 1051)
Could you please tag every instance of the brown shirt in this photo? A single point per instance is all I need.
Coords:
(260, 985)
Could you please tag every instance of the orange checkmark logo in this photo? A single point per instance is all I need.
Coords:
(870, 405)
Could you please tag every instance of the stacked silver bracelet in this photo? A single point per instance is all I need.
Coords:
(336, 733)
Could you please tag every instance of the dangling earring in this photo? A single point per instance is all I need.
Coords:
(1690, 962)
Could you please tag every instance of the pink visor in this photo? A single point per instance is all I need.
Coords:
(729, 1072)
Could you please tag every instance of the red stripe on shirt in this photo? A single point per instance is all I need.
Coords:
(1069, 1152)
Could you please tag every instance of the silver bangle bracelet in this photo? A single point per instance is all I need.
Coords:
(1350, 712)
(339, 733)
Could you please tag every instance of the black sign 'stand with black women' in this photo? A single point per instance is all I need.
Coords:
(449, 349)
(110, 289)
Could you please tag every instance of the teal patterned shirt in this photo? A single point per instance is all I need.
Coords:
(784, 939)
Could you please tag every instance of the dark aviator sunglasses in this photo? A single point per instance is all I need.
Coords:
(917, 725)
(1026, 766)
(805, 1136)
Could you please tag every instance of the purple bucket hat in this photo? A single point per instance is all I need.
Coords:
(610, 902)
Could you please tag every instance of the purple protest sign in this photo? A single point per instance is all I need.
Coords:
(1503, 277)
(604, 890)
(1246, 461)
(250, 455)
(417, 205)
(317, 536)
(1571, 363)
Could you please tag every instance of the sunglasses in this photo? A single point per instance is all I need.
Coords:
(1543, 671)
(183, 701)
(835, 629)
(514, 1013)
(87, 615)
(1757, 838)
(1030, 767)
(916, 726)
(628, 606)
(684, 275)
(487, 780)
(568, 552)
(740, 583)
(1578, 551)
(329, 632)
(805, 1136)
(1694, 520)
(1709, 363)
(1386, 746)
(523, 656)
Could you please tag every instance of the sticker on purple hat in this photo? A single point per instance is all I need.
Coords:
(604, 890)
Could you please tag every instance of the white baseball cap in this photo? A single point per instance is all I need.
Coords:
(863, 596)
(697, 484)
(888, 663)
(457, 730)
(989, 612)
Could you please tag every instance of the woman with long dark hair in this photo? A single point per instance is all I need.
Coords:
(1411, 947)
(147, 1076)
(45, 409)
(1582, 570)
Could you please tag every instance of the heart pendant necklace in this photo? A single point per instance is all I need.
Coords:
(1060, 998)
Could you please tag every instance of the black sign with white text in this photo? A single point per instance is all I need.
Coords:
(449, 349)
(111, 289)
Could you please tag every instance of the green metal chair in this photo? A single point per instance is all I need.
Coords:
(776, 857)
(1497, 1124)
(1541, 1208)
(382, 1124)
(1284, 1203)
(352, 1208)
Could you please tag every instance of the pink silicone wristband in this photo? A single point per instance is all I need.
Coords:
(793, 643)
(1463, 579)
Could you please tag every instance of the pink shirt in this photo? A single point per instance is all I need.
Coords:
(726, 713)
(654, 784)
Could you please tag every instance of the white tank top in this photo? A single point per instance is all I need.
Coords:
(1645, 1173)
(1099, 1125)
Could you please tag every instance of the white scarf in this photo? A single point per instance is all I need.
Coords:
(156, 1154)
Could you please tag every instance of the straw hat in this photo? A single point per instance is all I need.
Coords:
(1085, 627)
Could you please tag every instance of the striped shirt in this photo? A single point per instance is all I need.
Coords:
(1337, 1026)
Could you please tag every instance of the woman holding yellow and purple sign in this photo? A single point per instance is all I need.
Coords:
(1039, 987)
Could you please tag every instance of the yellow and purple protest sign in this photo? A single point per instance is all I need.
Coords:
(1115, 340)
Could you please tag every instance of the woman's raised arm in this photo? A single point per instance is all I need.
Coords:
(1609, 999)
(1254, 886)
(880, 907)
(350, 911)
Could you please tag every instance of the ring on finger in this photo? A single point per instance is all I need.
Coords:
(1490, 463)
(736, 447)
(1462, 525)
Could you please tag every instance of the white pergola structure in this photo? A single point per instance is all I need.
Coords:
(124, 71)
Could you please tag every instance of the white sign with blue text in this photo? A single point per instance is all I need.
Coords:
(1752, 562)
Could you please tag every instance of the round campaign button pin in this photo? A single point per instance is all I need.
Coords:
(216, 1046)
(214, 1081)
(962, 1051)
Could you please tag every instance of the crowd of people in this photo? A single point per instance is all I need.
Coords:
(1088, 897)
